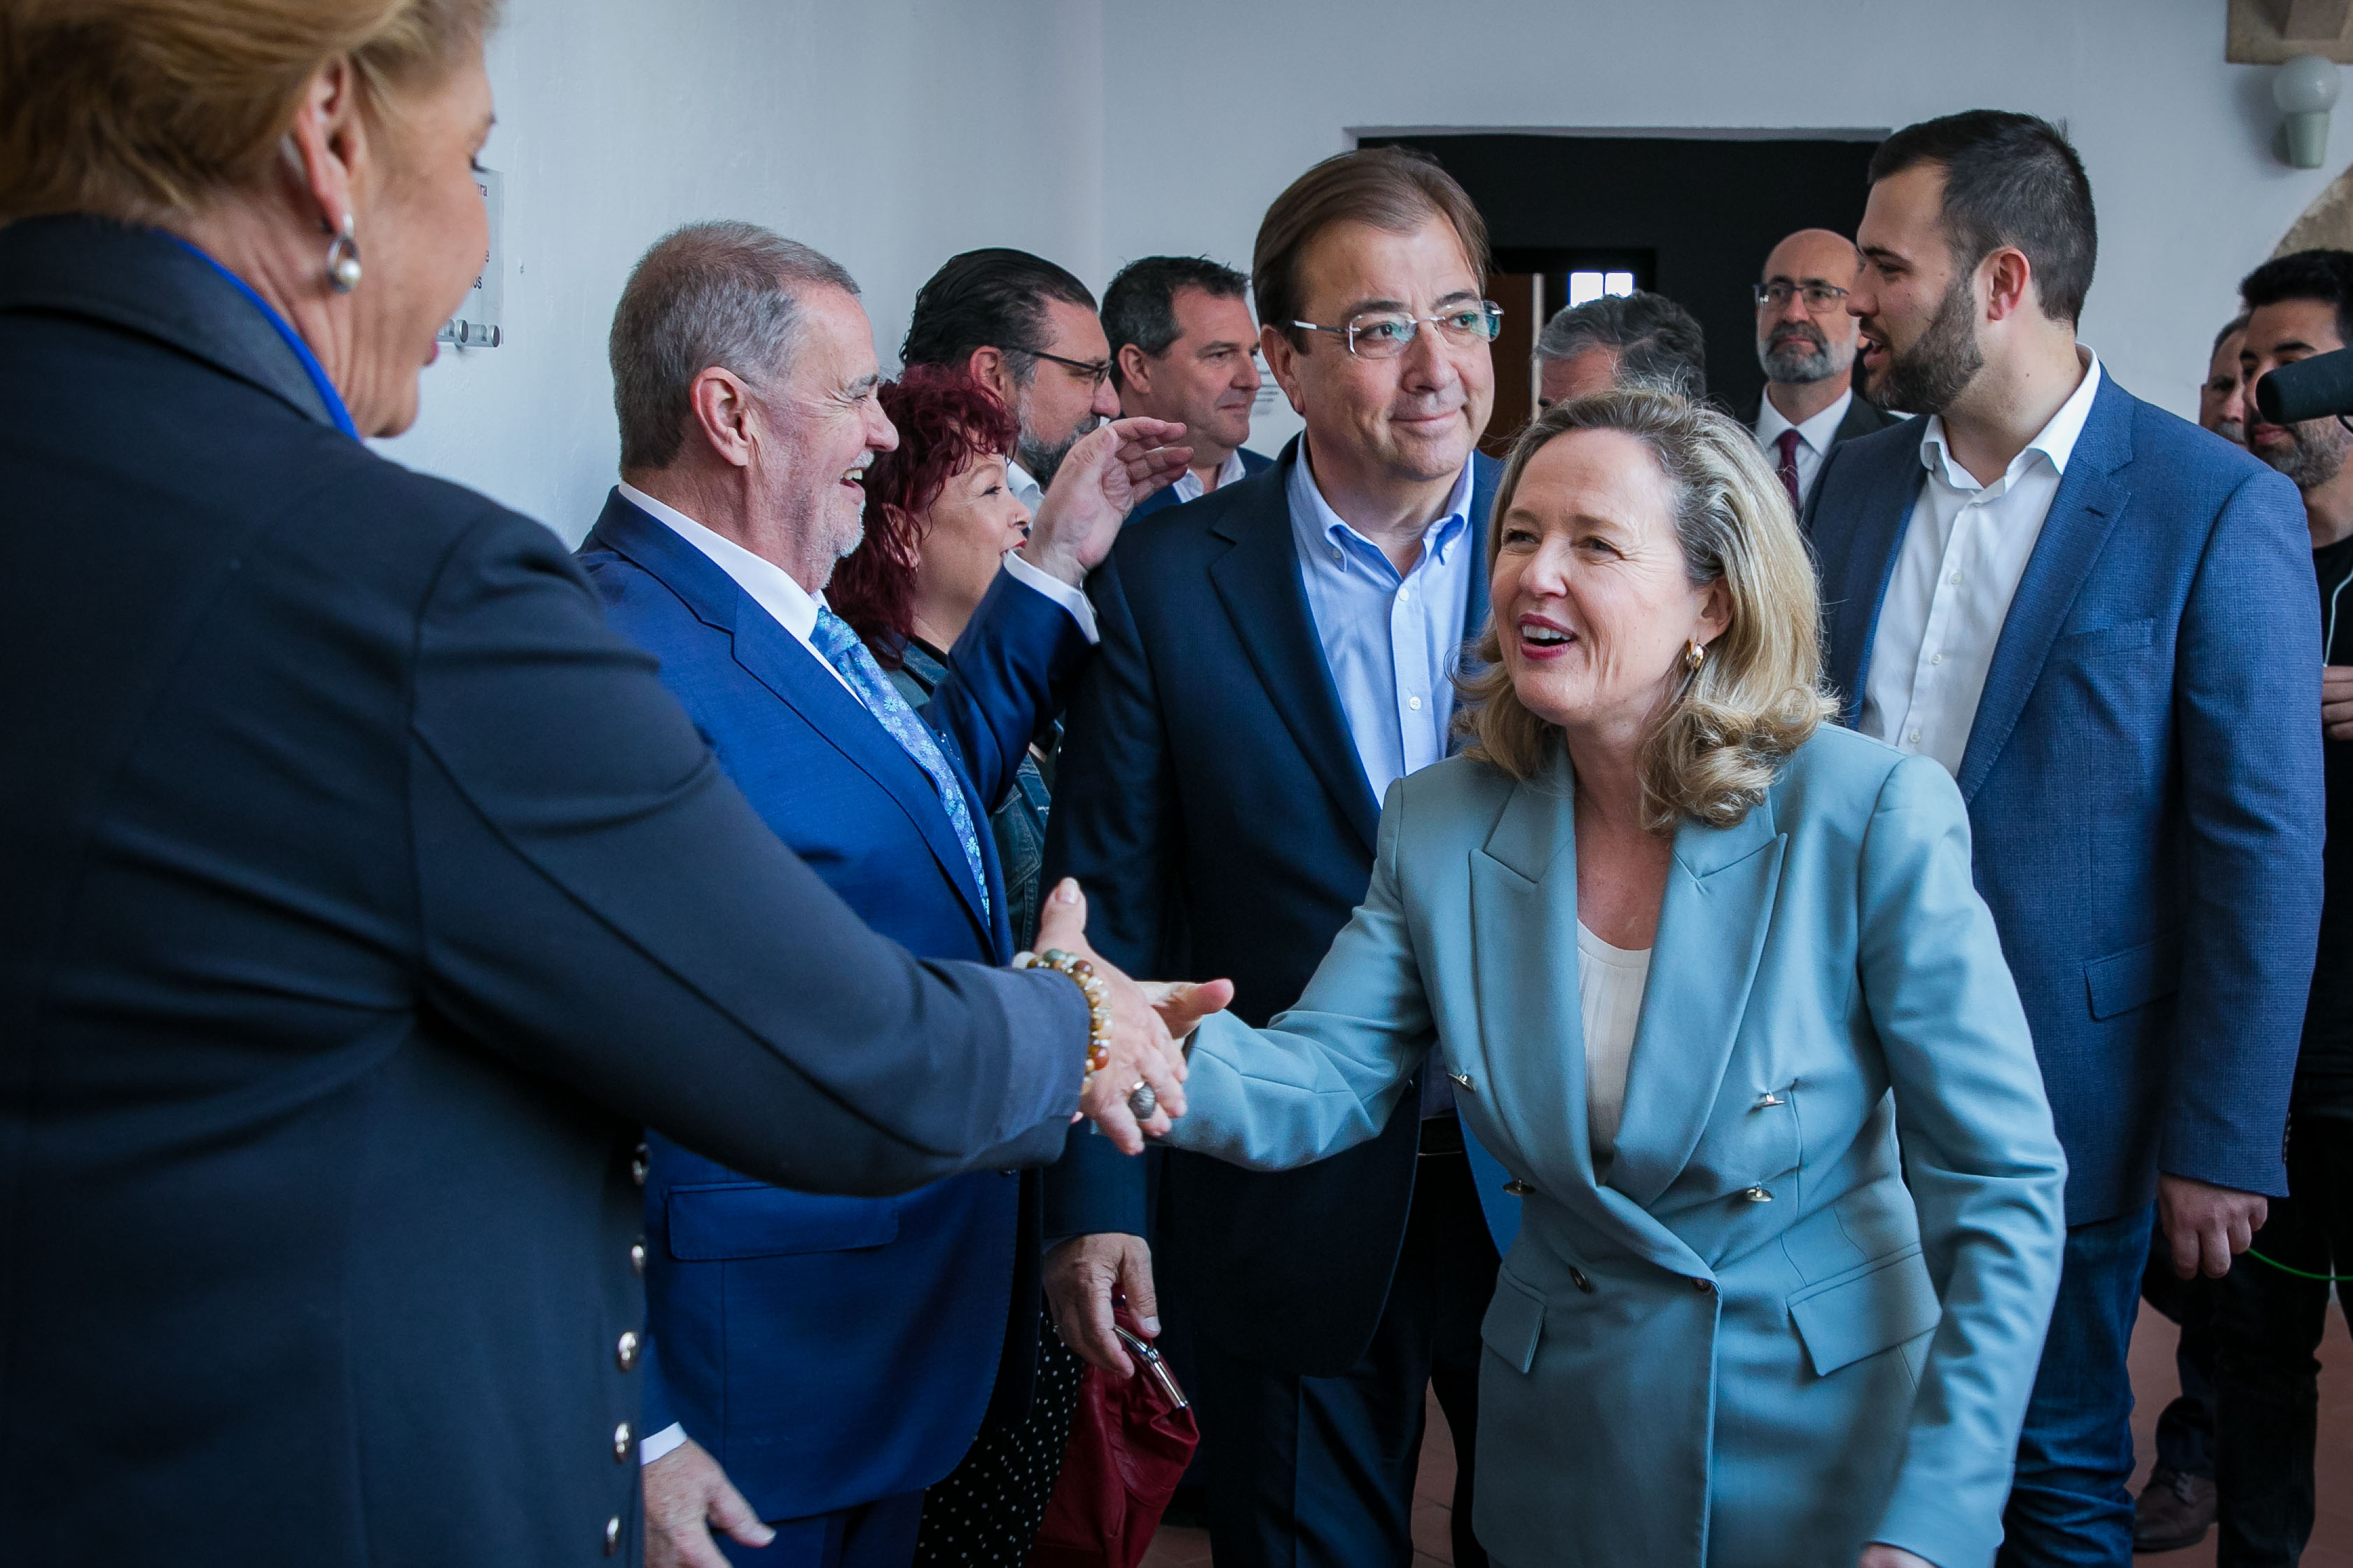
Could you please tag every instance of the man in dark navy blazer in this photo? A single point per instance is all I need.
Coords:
(2100, 619)
(1183, 348)
(834, 1354)
(1273, 655)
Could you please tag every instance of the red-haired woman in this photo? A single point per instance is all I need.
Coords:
(940, 519)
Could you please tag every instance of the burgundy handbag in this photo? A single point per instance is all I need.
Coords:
(1130, 1443)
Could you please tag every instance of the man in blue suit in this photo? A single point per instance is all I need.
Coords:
(835, 1355)
(1184, 349)
(2100, 619)
(1273, 655)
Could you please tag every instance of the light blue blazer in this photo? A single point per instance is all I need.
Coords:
(1761, 1334)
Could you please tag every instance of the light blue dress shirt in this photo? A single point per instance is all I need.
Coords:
(1392, 641)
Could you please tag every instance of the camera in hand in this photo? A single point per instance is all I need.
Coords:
(2314, 388)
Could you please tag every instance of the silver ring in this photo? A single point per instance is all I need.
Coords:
(1142, 1101)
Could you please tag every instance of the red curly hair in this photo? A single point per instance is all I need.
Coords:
(946, 421)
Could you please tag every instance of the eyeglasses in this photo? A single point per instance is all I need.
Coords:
(1820, 297)
(1384, 334)
(1095, 370)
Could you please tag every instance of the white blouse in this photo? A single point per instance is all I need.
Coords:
(1610, 981)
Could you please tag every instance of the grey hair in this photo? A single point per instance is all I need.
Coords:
(720, 293)
(2231, 329)
(1657, 342)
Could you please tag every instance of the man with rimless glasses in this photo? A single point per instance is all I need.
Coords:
(1275, 654)
(1806, 341)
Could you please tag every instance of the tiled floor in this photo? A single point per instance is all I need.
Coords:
(2153, 1378)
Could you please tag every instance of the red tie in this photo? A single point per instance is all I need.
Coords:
(1788, 442)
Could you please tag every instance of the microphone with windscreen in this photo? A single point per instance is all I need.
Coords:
(2315, 388)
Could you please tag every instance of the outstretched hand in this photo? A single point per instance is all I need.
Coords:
(1142, 1051)
(1183, 1004)
(1109, 470)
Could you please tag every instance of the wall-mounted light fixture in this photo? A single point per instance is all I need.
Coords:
(2305, 89)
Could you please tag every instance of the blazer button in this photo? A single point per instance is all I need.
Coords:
(1757, 1195)
(1576, 1276)
(621, 1435)
(613, 1536)
(1518, 1189)
(1462, 1081)
(637, 1165)
(626, 1352)
(1705, 1286)
(1767, 1100)
(638, 1254)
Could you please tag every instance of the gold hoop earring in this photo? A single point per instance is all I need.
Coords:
(1695, 655)
(343, 260)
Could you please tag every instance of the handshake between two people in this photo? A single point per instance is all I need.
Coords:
(1150, 1022)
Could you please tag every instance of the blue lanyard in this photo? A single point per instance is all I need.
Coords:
(310, 365)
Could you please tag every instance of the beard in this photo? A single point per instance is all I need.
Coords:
(2234, 431)
(2316, 456)
(1801, 355)
(1043, 461)
(1935, 371)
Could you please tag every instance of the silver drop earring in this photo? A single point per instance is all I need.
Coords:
(343, 260)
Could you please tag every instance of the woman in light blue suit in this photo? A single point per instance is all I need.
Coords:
(1714, 987)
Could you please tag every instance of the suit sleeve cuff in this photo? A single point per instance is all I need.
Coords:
(1061, 592)
(670, 1438)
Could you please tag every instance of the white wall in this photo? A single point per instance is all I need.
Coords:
(888, 133)
(892, 134)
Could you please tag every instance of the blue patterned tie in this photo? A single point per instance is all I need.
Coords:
(846, 653)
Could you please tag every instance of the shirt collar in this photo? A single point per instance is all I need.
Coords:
(2055, 442)
(1437, 538)
(769, 585)
(1817, 433)
(1023, 487)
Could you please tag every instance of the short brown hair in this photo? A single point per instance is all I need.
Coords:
(1394, 188)
(1713, 750)
(141, 108)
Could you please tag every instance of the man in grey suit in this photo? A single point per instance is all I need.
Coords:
(1806, 341)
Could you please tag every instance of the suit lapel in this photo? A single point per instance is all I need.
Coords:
(1858, 585)
(778, 660)
(1258, 583)
(1531, 1033)
(1711, 928)
(2089, 500)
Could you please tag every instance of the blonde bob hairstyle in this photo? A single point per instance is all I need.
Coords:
(140, 110)
(1714, 745)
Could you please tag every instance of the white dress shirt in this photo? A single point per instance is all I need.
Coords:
(1189, 483)
(1814, 436)
(1963, 551)
(1610, 984)
(795, 609)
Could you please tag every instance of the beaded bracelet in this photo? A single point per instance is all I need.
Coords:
(1098, 996)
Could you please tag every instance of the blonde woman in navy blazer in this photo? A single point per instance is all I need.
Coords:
(1782, 1274)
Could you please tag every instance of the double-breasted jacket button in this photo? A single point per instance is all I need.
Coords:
(621, 1435)
(1576, 1276)
(637, 1165)
(613, 1536)
(1705, 1286)
(1757, 1195)
(638, 1254)
(1462, 1081)
(1518, 1188)
(626, 1350)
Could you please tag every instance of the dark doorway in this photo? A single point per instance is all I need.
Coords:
(1693, 219)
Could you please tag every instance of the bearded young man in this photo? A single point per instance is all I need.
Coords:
(2101, 620)
(1806, 343)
